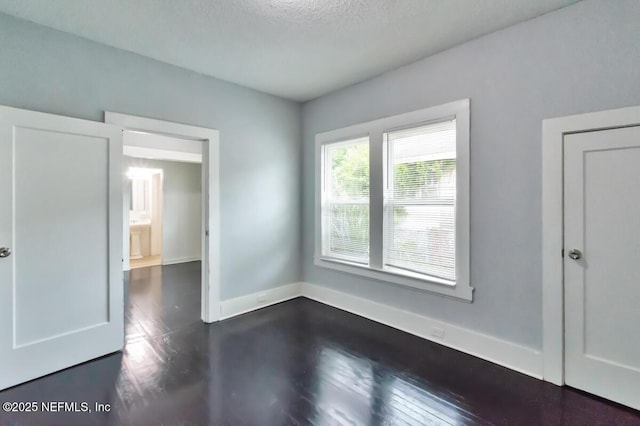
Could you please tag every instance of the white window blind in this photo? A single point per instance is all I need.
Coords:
(345, 201)
(420, 200)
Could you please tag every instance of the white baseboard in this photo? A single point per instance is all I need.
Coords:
(180, 260)
(519, 358)
(251, 302)
(516, 357)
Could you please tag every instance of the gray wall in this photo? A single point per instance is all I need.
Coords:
(181, 207)
(50, 71)
(582, 58)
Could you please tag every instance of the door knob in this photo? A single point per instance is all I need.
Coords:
(5, 252)
(575, 254)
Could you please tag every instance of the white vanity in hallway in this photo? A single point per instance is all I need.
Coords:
(139, 232)
(145, 216)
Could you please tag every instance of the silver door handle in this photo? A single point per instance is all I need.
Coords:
(5, 252)
(575, 254)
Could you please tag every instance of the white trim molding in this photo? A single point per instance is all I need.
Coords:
(177, 260)
(210, 138)
(251, 302)
(374, 132)
(161, 154)
(507, 354)
(161, 147)
(553, 133)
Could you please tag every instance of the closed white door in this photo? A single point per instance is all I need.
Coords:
(602, 263)
(61, 292)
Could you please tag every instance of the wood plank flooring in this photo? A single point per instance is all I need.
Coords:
(296, 363)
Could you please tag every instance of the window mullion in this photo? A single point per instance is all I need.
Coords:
(376, 198)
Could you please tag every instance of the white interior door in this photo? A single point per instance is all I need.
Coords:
(61, 292)
(602, 263)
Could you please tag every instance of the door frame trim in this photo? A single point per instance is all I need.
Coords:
(210, 300)
(553, 132)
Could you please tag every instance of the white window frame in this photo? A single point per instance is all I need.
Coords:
(375, 130)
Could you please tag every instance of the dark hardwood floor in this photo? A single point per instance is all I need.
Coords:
(296, 363)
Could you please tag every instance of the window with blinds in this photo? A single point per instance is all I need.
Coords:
(420, 200)
(394, 206)
(345, 201)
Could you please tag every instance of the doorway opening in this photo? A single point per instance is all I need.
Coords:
(162, 287)
(163, 199)
(156, 140)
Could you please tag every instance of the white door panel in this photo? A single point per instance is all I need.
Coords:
(602, 289)
(61, 295)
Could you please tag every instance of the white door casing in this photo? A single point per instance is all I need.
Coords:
(210, 299)
(602, 280)
(61, 291)
(554, 131)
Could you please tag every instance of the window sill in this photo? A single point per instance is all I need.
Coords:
(440, 286)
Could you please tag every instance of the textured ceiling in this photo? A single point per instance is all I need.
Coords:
(297, 49)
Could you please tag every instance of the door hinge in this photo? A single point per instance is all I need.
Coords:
(562, 253)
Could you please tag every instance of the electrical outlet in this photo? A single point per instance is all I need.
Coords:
(437, 332)
(262, 297)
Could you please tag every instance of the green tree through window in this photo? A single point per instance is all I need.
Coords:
(349, 201)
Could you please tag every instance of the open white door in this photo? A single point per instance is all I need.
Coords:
(61, 292)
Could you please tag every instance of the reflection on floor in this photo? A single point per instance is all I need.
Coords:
(145, 262)
(296, 363)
